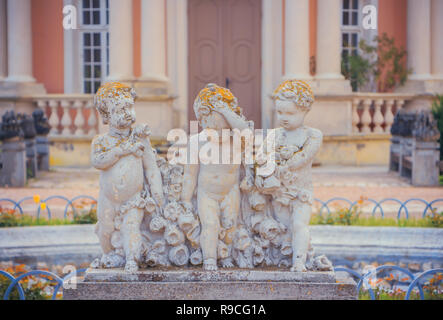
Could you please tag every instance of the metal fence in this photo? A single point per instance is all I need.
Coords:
(363, 280)
(325, 206)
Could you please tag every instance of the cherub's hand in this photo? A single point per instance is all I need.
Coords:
(118, 151)
(141, 131)
(136, 148)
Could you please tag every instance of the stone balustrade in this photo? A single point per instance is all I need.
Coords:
(73, 115)
(70, 115)
(374, 112)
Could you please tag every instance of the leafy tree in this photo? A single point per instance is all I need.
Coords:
(384, 61)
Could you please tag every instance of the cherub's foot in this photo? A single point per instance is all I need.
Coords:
(210, 265)
(131, 266)
(227, 263)
(298, 266)
(112, 260)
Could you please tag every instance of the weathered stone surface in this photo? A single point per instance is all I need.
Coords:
(312, 286)
(196, 274)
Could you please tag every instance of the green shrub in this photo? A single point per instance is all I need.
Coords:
(437, 112)
(384, 61)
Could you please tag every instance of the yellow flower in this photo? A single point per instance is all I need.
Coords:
(36, 198)
(43, 205)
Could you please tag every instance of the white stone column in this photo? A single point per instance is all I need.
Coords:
(120, 40)
(328, 58)
(297, 39)
(3, 41)
(153, 38)
(437, 39)
(419, 39)
(19, 41)
(328, 40)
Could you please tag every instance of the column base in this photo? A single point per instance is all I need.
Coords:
(429, 86)
(330, 86)
(154, 106)
(17, 96)
(11, 89)
(152, 87)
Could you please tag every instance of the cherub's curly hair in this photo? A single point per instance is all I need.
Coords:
(209, 96)
(111, 91)
(297, 91)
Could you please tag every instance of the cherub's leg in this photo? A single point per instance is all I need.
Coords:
(132, 239)
(301, 214)
(105, 224)
(230, 208)
(208, 209)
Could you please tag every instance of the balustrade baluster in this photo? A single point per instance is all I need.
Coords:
(92, 120)
(355, 116)
(378, 116)
(79, 120)
(66, 118)
(366, 116)
(389, 115)
(53, 119)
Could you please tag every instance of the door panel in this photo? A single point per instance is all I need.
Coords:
(242, 58)
(225, 48)
(205, 46)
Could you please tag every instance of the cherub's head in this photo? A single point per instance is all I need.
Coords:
(293, 100)
(115, 103)
(211, 98)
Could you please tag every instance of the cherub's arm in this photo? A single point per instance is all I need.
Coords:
(101, 157)
(308, 152)
(235, 121)
(152, 172)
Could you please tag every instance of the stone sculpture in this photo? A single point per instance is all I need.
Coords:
(130, 181)
(290, 183)
(218, 190)
(153, 212)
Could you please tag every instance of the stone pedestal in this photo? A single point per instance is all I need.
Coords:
(31, 157)
(13, 159)
(425, 159)
(226, 284)
(42, 147)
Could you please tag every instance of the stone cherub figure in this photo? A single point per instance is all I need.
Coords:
(129, 177)
(218, 192)
(290, 183)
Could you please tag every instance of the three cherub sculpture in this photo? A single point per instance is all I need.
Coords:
(217, 211)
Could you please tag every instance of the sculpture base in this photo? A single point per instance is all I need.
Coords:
(225, 284)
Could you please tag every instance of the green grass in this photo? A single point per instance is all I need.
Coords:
(354, 217)
(13, 219)
(399, 295)
(377, 222)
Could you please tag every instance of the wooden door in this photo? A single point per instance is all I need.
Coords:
(225, 48)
